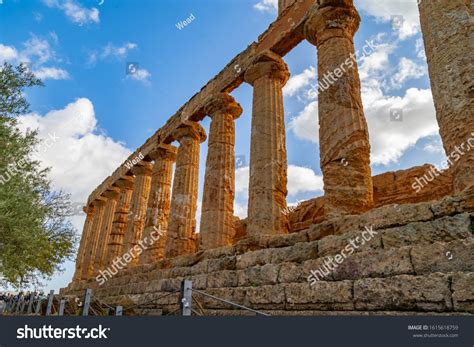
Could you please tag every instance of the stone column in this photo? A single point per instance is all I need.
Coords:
(115, 244)
(268, 163)
(217, 213)
(138, 205)
(180, 238)
(343, 135)
(112, 195)
(90, 211)
(91, 246)
(448, 34)
(156, 222)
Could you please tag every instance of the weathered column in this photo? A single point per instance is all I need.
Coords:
(91, 246)
(156, 222)
(268, 163)
(138, 205)
(447, 27)
(112, 195)
(217, 213)
(89, 210)
(180, 238)
(343, 135)
(115, 245)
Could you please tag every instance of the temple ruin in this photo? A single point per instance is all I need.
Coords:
(264, 261)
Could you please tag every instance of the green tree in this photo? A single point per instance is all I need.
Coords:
(35, 234)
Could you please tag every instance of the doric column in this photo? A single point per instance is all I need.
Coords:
(89, 210)
(447, 27)
(91, 246)
(115, 244)
(138, 205)
(268, 163)
(156, 222)
(217, 213)
(180, 238)
(112, 195)
(343, 135)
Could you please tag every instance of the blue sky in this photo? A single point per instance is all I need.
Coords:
(100, 114)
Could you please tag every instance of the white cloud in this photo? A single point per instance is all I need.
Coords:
(303, 180)
(36, 53)
(403, 14)
(407, 69)
(420, 49)
(7, 53)
(110, 50)
(300, 180)
(267, 6)
(80, 156)
(51, 73)
(75, 11)
(435, 146)
(306, 124)
(300, 81)
(141, 75)
(240, 210)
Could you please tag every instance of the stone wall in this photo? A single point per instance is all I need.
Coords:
(420, 260)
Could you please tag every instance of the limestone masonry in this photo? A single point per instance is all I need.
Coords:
(419, 257)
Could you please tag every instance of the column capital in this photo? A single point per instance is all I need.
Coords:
(125, 182)
(331, 18)
(189, 129)
(89, 210)
(164, 151)
(112, 193)
(222, 103)
(99, 202)
(144, 168)
(267, 64)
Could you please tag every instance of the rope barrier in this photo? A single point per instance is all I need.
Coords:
(230, 302)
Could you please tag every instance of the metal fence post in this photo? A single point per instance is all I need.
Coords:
(186, 297)
(22, 307)
(119, 311)
(62, 304)
(50, 303)
(38, 306)
(87, 302)
(30, 304)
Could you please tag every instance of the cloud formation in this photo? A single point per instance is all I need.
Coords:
(75, 11)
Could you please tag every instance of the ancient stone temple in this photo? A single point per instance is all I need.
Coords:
(370, 243)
